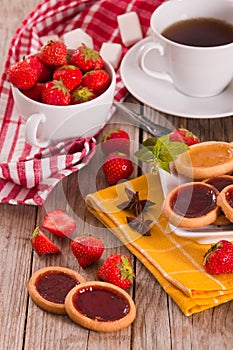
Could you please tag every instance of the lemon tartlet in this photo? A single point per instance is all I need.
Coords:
(205, 159)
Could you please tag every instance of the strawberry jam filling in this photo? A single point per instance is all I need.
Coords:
(54, 286)
(220, 182)
(229, 197)
(101, 304)
(193, 201)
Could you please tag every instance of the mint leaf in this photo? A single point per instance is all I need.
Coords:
(160, 152)
(145, 155)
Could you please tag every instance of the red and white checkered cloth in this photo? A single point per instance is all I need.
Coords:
(28, 174)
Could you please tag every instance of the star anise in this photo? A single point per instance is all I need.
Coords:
(135, 204)
(139, 224)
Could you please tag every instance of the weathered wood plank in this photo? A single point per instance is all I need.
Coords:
(17, 222)
(15, 263)
(159, 323)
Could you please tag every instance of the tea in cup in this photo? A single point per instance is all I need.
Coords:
(192, 43)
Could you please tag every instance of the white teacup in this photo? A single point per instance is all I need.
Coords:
(194, 70)
(48, 124)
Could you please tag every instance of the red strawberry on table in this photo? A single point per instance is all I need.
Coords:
(96, 80)
(54, 53)
(116, 140)
(117, 269)
(22, 75)
(185, 136)
(59, 223)
(70, 75)
(219, 258)
(86, 59)
(55, 93)
(42, 244)
(117, 166)
(87, 249)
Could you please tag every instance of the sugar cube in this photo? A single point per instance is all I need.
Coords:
(111, 52)
(77, 37)
(130, 28)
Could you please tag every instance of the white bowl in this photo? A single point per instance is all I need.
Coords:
(48, 124)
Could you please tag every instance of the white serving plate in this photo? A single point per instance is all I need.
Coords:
(204, 235)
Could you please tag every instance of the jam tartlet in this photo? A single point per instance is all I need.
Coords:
(206, 158)
(220, 182)
(225, 201)
(191, 205)
(49, 286)
(100, 306)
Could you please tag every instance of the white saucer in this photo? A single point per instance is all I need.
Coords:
(164, 97)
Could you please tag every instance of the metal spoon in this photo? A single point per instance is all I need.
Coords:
(153, 128)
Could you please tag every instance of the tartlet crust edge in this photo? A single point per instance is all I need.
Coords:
(42, 302)
(95, 325)
(183, 222)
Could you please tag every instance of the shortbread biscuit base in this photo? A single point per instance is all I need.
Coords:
(184, 222)
(96, 325)
(221, 220)
(42, 302)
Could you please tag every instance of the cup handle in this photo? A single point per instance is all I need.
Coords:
(31, 129)
(143, 52)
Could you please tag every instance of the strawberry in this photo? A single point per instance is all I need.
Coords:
(70, 75)
(219, 258)
(87, 249)
(116, 140)
(42, 244)
(117, 167)
(55, 93)
(35, 92)
(82, 94)
(86, 59)
(96, 80)
(54, 53)
(44, 73)
(59, 222)
(184, 136)
(22, 75)
(117, 269)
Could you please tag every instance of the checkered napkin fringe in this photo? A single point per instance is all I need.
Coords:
(28, 174)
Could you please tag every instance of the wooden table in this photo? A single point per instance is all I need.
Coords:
(160, 325)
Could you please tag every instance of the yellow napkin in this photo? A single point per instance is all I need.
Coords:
(175, 262)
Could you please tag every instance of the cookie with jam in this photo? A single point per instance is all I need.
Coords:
(225, 201)
(49, 286)
(191, 205)
(220, 182)
(100, 306)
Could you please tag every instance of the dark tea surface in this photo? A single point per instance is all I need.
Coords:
(202, 32)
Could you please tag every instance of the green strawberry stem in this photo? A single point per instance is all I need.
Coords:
(126, 269)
